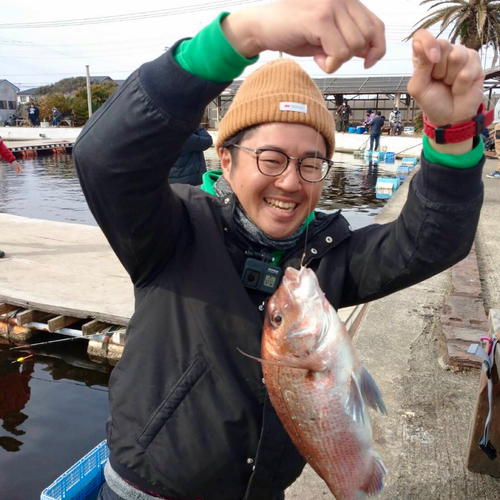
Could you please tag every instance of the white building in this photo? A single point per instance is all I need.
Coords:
(8, 99)
(26, 96)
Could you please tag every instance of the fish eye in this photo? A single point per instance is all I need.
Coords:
(278, 318)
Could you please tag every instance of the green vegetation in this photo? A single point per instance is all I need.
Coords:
(476, 23)
(73, 104)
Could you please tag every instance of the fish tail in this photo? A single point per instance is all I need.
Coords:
(375, 482)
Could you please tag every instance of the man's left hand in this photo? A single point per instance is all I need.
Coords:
(447, 80)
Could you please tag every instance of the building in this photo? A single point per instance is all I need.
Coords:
(26, 96)
(8, 99)
(371, 92)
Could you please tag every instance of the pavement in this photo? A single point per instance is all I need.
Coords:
(424, 439)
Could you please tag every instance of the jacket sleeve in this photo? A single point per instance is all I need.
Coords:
(435, 230)
(123, 157)
(5, 153)
(199, 141)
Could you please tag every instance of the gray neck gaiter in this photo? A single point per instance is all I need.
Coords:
(247, 228)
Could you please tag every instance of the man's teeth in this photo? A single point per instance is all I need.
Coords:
(282, 205)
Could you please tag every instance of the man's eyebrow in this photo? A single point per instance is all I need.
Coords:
(281, 150)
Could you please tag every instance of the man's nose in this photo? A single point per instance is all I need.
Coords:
(290, 179)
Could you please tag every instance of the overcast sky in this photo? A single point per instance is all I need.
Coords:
(30, 57)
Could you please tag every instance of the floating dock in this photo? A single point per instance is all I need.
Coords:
(32, 148)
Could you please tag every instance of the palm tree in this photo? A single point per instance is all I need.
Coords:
(475, 22)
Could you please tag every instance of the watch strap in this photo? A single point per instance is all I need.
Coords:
(451, 134)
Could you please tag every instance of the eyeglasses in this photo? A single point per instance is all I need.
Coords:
(273, 163)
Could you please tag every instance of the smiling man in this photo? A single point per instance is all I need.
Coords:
(190, 416)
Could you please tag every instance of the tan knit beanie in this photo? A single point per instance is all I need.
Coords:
(279, 91)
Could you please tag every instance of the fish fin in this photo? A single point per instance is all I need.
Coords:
(375, 483)
(355, 406)
(370, 391)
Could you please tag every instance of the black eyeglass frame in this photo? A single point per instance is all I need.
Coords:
(288, 159)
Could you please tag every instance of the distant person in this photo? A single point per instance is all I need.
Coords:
(344, 112)
(34, 115)
(376, 129)
(395, 122)
(370, 115)
(496, 121)
(191, 165)
(56, 117)
(9, 158)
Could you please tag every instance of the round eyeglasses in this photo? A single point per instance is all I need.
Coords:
(273, 163)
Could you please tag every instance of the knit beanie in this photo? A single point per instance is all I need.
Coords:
(279, 91)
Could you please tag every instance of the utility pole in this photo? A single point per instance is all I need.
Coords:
(89, 91)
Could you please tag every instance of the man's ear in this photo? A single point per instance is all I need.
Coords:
(226, 162)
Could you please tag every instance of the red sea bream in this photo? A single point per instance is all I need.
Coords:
(319, 388)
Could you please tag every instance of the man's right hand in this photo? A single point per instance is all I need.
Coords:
(332, 31)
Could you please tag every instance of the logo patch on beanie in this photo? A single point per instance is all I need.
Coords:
(293, 106)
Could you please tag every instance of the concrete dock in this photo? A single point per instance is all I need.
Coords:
(423, 440)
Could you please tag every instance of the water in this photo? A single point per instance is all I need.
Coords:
(53, 408)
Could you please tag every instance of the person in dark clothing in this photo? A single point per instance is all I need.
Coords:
(34, 115)
(344, 112)
(191, 166)
(375, 131)
(190, 416)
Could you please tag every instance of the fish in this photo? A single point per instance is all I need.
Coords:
(319, 388)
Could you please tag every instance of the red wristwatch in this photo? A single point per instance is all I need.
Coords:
(450, 134)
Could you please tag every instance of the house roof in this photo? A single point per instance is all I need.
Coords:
(350, 85)
(11, 84)
(100, 79)
(27, 91)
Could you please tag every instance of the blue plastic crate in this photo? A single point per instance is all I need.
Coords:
(78, 482)
(409, 162)
(389, 157)
(352, 130)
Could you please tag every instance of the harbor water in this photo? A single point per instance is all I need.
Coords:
(54, 407)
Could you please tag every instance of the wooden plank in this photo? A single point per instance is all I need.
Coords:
(94, 326)
(30, 315)
(477, 460)
(6, 308)
(60, 322)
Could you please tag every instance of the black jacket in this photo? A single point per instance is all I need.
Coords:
(189, 413)
(190, 166)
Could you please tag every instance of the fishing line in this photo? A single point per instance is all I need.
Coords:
(310, 202)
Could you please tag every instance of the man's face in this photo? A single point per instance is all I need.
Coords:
(259, 194)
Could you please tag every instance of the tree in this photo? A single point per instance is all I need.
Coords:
(100, 93)
(476, 23)
(64, 86)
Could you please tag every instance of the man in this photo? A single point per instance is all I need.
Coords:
(496, 174)
(344, 112)
(191, 165)
(370, 116)
(34, 115)
(9, 158)
(190, 416)
(56, 117)
(375, 131)
(395, 122)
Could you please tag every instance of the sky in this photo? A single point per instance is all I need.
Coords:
(31, 57)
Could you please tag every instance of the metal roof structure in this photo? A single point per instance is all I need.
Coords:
(350, 85)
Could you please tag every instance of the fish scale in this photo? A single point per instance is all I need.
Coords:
(311, 372)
